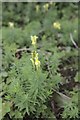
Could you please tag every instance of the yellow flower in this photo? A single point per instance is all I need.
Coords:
(34, 60)
(37, 64)
(11, 24)
(57, 25)
(46, 6)
(34, 39)
(34, 54)
(37, 8)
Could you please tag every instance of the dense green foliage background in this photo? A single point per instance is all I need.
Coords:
(53, 91)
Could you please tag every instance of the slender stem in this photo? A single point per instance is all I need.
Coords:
(73, 41)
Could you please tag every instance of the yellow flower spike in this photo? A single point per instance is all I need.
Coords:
(37, 64)
(34, 39)
(57, 25)
(34, 54)
(35, 61)
(46, 6)
(37, 8)
(11, 24)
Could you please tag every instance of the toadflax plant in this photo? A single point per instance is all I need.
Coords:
(34, 59)
(27, 87)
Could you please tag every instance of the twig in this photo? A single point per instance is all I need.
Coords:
(23, 49)
(73, 41)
